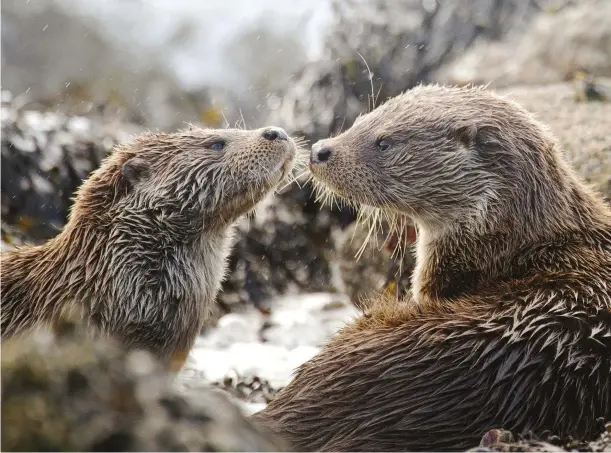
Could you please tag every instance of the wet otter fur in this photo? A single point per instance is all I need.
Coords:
(508, 322)
(143, 252)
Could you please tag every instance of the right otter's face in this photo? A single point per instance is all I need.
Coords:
(435, 154)
(188, 179)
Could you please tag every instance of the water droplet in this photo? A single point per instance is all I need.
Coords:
(429, 6)
(273, 102)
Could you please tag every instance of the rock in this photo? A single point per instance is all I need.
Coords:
(495, 436)
(268, 362)
(62, 60)
(248, 345)
(581, 127)
(65, 391)
(45, 156)
(319, 102)
(504, 440)
(253, 355)
(558, 42)
(287, 248)
(379, 49)
(307, 321)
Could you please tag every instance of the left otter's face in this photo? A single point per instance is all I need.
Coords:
(435, 154)
(197, 177)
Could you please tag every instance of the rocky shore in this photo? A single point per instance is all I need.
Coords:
(64, 391)
(293, 278)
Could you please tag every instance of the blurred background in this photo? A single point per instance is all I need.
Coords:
(80, 75)
(160, 62)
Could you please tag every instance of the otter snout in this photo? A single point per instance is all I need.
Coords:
(320, 153)
(275, 133)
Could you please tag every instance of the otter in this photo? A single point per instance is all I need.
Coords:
(144, 250)
(508, 320)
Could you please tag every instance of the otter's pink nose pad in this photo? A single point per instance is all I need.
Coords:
(320, 154)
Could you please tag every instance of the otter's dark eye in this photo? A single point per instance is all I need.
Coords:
(217, 146)
(383, 144)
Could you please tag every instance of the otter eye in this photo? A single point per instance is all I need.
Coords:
(383, 144)
(218, 145)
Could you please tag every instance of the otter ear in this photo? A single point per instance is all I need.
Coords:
(134, 170)
(464, 132)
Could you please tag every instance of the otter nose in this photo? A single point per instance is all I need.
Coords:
(320, 153)
(275, 133)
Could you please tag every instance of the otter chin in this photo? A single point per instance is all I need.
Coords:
(508, 320)
(144, 249)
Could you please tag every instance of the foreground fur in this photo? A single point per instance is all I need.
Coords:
(143, 252)
(508, 323)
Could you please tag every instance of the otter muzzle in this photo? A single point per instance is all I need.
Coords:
(320, 154)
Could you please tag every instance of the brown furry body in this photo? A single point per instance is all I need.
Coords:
(143, 252)
(508, 323)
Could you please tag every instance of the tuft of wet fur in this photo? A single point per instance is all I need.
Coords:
(508, 322)
(143, 252)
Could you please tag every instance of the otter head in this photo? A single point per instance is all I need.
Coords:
(185, 182)
(442, 156)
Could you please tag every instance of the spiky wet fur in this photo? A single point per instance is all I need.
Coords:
(143, 252)
(508, 323)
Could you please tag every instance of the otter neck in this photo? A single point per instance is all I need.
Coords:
(508, 244)
(118, 274)
(34, 282)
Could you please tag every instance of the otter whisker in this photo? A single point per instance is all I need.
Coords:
(302, 174)
(300, 141)
(287, 184)
(370, 77)
(361, 249)
(400, 228)
(225, 118)
(309, 180)
(292, 179)
(341, 128)
(377, 95)
(243, 120)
